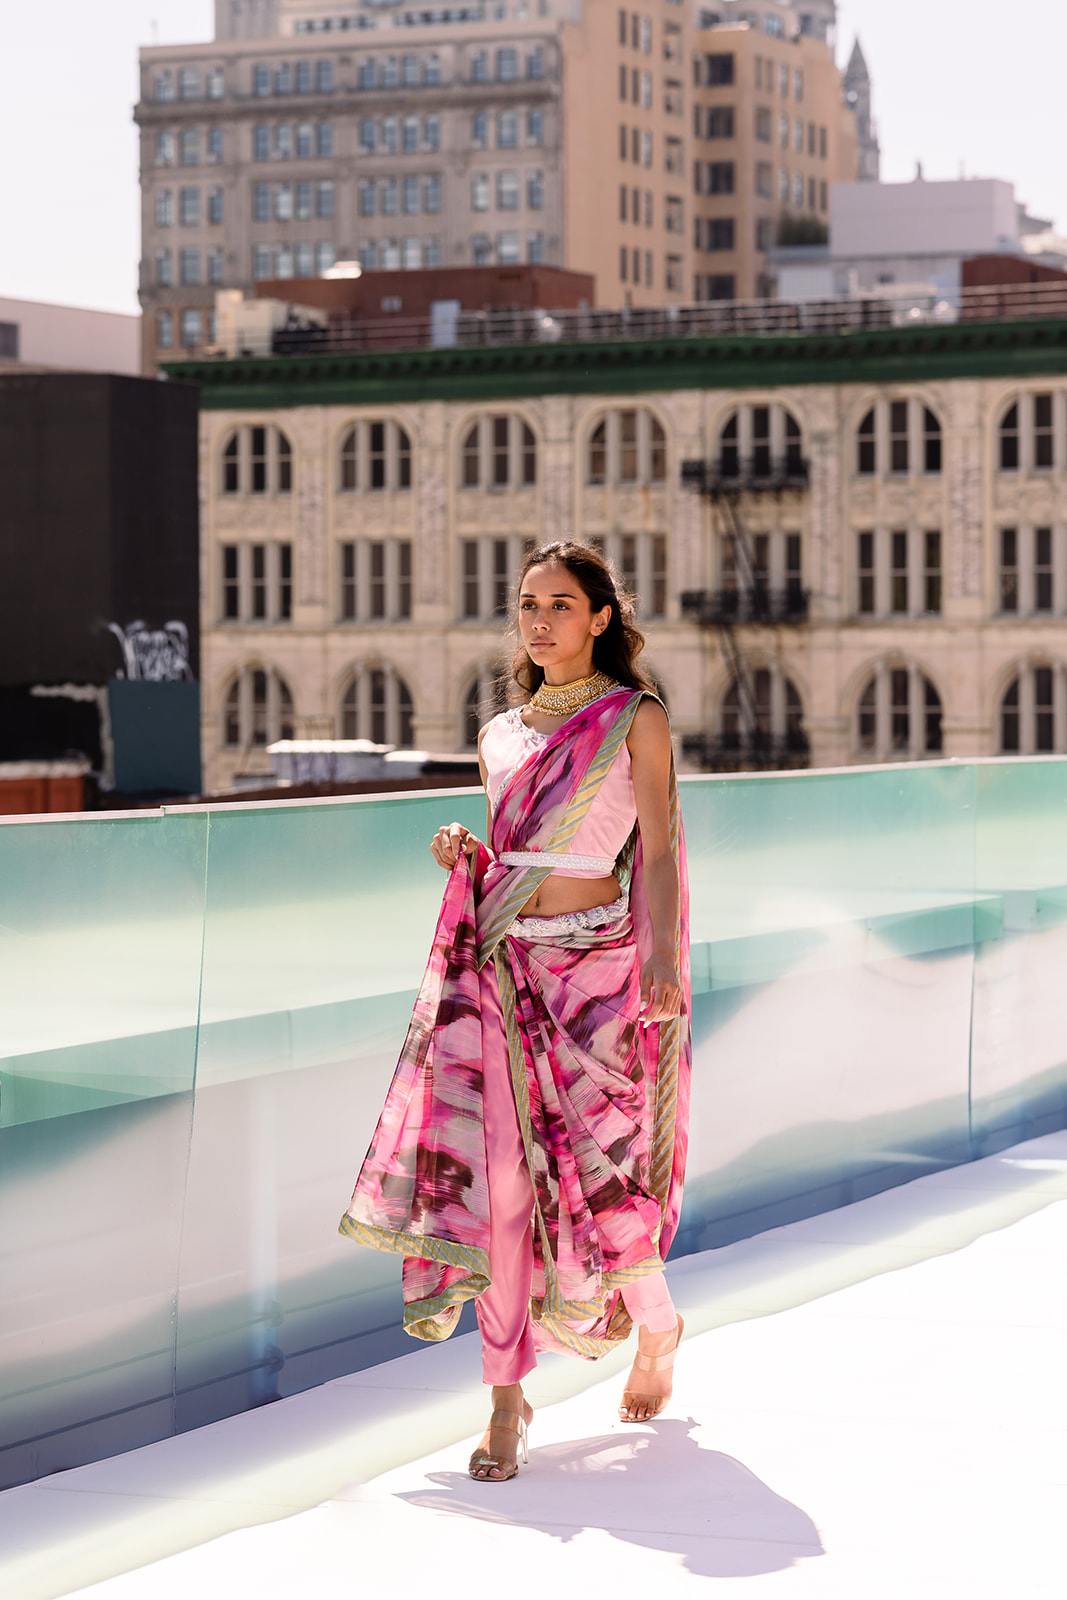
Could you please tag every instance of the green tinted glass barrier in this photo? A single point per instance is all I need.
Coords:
(200, 1011)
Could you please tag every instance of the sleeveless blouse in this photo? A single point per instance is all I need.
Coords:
(507, 743)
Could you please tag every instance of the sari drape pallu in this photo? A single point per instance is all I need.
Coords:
(602, 1103)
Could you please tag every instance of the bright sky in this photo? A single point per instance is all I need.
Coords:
(956, 83)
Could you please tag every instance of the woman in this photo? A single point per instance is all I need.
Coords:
(532, 1146)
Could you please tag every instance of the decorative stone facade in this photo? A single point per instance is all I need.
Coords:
(934, 570)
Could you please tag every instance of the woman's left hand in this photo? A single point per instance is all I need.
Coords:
(661, 992)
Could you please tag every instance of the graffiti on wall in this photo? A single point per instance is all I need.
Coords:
(154, 655)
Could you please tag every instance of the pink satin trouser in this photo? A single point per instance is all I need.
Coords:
(504, 1309)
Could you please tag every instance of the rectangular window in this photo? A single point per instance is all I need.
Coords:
(1043, 567)
(480, 66)
(324, 198)
(376, 587)
(931, 442)
(722, 286)
(658, 575)
(932, 573)
(471, 597)
(189, 207)
(303, 77)
(163, 86)
(261, 81)
(764, 125)
(409, 135)
(898, 573)
(500, 577)
(431, 193)
(720, 123)
(368, 73)
(261, 202)
(865, 573)
(721, 176)
(535, 63)
(283, 202)
(479, 130)
(410, 201)
(324, 77)
(261, 143)
(764, 179)
(535, 191)
(303, 201)
(793, 578)
(366, 135)
(403, 578)
(627, 446)
(189, 83)
(214, 205)
(325, 256)
(390, 73)
(1043, 433)
(535, 128)
(285, 582)
(348, 583)
(431, 133)
(304, 259)
(431, 69)
(216, 266)
(367, 198)
(507, 191)
(283, 142)
(231, 608)
(720, 233)
(507, 65)
(390, 135)
(164, 269)
(822, 144)
(480, 191)
(624, 263)
(261, 261)
(535, 248)
(409, 71)
(283, 79)
(259, 580)
(900, 708)
(623, 83)
(388, 195)
(164, 208)
(507, 130)
(324, 139)
(898, 436)
(718, 70)
(165, 149)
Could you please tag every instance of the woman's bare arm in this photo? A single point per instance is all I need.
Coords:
(649, 743)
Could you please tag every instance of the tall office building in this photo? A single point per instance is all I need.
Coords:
(555, 131)
(771, 133)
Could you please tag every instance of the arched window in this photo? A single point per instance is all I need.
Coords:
(1033, 711)
(761, 444)
(898, 715)
(258, 710)
(485, 696)
(898, 437)
(375, 456)
(1031, 433)
(627, 448)
(377, 705)
(761, 719)
(257, 460)
(498, 452)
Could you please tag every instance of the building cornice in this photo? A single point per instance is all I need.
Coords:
(634, 366)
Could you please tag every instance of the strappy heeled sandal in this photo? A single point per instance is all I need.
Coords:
(654, 1403)
(515, 1422)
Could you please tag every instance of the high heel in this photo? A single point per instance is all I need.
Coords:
(651, 1404)
(514, 1422)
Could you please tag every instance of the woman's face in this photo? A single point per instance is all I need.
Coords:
(557, 624)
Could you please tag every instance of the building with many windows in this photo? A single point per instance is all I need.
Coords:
(844, 548)
(627, 143)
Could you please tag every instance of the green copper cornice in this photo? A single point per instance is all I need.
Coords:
(883, 355)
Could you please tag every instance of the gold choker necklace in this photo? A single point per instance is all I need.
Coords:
(564, 699)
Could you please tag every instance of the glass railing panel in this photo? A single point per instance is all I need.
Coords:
(319, 924)
(100, 939)
(832, 955)
(1019, 1067)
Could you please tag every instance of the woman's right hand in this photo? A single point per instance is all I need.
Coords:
(451, 842)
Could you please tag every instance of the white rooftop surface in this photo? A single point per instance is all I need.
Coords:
(868, 1403)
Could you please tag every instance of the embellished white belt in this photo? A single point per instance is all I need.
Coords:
(541, 858)
(569, 922)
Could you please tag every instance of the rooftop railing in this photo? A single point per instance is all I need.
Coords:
(714, 319)
(202, 1009)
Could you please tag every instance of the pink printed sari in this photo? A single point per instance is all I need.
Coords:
(602, 1103)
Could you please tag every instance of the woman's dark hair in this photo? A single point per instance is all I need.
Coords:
(616, 650)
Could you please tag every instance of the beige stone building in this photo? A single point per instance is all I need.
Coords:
(844, 550)
(561, 131)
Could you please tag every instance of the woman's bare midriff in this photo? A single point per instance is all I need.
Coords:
(559, 894)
